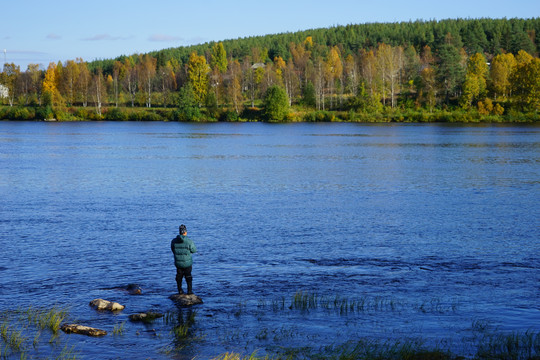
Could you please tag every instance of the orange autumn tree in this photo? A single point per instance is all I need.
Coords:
(51, 95)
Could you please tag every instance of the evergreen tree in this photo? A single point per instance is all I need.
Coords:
(188, 109)
(219, 57)
(450, 72)
(308, 95)
(276, 103)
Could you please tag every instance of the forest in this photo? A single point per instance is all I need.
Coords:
(463, 70)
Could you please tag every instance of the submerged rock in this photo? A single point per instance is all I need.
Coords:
(101, 304)
(134, 289)
(145, 317)
(185, 299)
(83, 330)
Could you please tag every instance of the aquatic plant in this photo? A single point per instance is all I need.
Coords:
(181, 328)
(307, 301)
(21, 329)
(262, 334)
(181, 331)
(119, 328)
(515, 345)
(46, 318)
(170, 317)
(367, 349)
(239, 309)
(68, 354)
(236, 356)
(436, 305)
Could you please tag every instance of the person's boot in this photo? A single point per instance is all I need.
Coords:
(189, 282)
(179, 285)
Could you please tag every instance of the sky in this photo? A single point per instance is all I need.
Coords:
(40, 32)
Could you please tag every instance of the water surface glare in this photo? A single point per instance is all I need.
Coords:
(434, 227)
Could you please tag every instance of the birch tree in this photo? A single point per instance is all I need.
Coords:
(502, 67)
(319, 83)
(333, 71)
(9, 79)
(234, 87)
(70, 77)
(147, 73)
(99, 90)
(370, 72)
(130, 81)
(474, 87)
(83, 83)
(390, 64)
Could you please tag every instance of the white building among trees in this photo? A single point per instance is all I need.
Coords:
(4, 91)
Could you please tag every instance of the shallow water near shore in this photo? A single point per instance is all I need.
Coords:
(388, 231)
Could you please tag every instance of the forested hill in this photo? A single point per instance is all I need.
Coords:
(489, 36)
(449, 70)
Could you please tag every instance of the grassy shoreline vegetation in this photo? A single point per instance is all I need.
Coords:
(25, 332)
(294, 114)
(455, 70)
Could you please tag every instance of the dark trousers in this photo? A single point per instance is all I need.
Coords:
(183, 273)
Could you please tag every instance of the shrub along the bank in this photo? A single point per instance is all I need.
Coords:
(17, 113)
(296, 114)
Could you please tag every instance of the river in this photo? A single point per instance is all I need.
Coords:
(424, 231)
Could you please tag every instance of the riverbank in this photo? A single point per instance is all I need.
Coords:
(256, 114)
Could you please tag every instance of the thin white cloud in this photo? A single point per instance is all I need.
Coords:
(106, 37)
(53, 36)
(164, 38)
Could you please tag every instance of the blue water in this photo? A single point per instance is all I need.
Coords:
(436, 227)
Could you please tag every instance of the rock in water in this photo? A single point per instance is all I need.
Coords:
(101, 304)
(185, 299)
(145, 317)
(83, 330)
(134, 289)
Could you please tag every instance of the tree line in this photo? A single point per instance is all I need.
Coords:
(486, 66)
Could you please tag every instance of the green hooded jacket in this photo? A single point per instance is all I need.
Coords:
(182, 248)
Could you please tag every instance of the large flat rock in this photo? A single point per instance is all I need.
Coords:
(83, 330)
(101, 304)
(185, 299)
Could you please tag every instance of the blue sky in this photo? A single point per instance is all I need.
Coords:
(38, 31)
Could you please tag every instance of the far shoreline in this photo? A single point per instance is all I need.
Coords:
(295, 115)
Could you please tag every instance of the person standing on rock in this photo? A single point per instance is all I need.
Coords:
(182, 248)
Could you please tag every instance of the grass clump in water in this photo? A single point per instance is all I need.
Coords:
(181, 330)
(119, 328)
(306, 301)
(515, 346)
(375, 350)
(21, 330)
(12, 338)
(236, 356)
(68, 353)
(46, 318)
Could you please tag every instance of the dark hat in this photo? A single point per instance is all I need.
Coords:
(182, 229)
